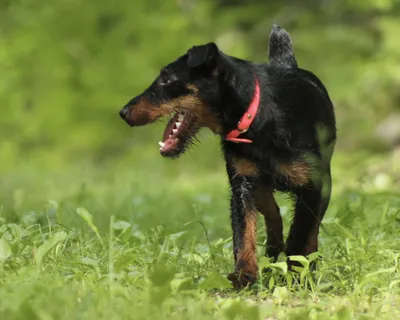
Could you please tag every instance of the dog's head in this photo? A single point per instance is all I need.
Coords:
(184, 89)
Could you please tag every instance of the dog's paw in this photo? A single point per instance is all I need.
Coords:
(241, 280)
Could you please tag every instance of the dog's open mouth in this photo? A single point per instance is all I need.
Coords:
(178, 134)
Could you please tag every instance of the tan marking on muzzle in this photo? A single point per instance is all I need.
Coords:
(145, 112)
(193, 104)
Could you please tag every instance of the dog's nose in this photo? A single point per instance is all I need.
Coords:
(123, 113)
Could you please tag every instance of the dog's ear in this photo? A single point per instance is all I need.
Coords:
(203, 55)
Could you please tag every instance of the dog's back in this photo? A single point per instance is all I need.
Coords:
(280, 50)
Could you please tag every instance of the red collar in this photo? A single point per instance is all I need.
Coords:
(246, 120)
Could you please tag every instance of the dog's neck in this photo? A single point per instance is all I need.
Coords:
(240, 96)
(247, 119)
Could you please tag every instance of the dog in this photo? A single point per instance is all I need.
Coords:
(277, 127)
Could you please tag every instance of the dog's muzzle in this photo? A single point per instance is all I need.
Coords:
(125, 115)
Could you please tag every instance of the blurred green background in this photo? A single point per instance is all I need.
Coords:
(68, 66)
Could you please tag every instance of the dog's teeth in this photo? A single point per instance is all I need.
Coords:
(162, 144)
(174, 131)
(178, 124)
(170, 136)
(181, 117)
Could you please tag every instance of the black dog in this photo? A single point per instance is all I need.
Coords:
(277, 128)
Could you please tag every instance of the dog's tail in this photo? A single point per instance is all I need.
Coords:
(280, 50)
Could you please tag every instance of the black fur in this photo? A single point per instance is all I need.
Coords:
(280, 48)
(294, 129)
(201, 55)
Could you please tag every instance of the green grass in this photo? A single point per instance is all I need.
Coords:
(149, 238)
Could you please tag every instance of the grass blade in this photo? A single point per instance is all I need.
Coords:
(49, 244)
(88, 218)
(5, 250)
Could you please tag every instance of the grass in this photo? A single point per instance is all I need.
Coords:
(147, 238)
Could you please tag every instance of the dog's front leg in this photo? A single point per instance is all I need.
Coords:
(244, 216)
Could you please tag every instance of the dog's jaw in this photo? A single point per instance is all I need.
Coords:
(178, 134)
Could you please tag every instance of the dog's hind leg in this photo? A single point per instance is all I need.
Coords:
(311, 204)
(266, 205)
(280, 49)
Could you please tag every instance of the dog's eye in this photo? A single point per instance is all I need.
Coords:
(165, 78)
(165, 81)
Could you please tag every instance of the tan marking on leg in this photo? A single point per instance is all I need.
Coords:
(266, 204)
(246, 256)
(245, 168)
(297, 173)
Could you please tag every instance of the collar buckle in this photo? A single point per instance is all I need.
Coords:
(242, 130)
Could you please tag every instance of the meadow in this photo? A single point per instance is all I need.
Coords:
(95, 224)
(146, 237)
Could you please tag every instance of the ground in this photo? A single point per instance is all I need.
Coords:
(146, 237)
